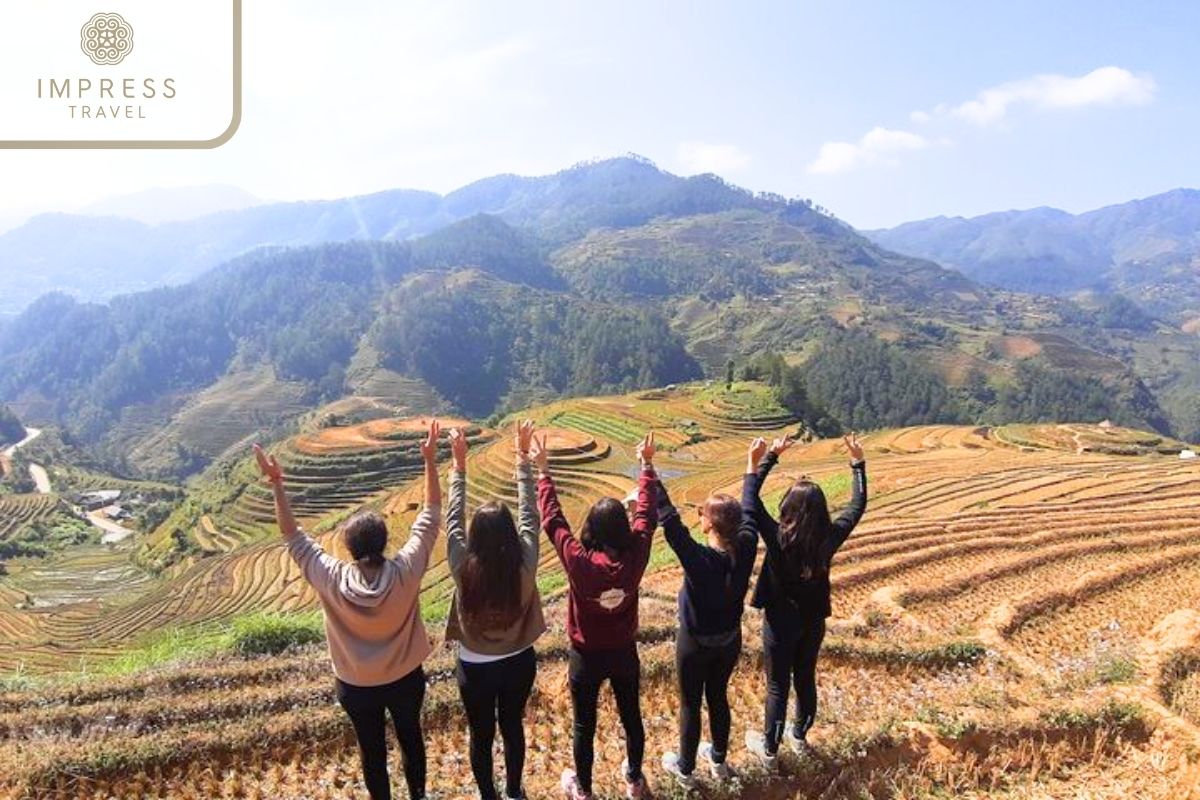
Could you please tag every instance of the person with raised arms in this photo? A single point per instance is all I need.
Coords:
(716, 577)
(604, 568)
(371, 606)
(496, 613)
(793, 590)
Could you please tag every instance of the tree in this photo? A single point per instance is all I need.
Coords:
(729, 374)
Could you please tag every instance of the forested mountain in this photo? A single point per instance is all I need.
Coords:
(606, 277)
(1148, 249)
(100, 257)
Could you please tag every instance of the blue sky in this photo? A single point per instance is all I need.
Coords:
(1019, 104)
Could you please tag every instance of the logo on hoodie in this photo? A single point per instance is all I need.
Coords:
(611, 599)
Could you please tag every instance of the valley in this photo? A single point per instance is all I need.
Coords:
(1011, 618)
(1016, 618)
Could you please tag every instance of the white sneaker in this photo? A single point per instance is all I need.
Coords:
(670, 765)
(570, 786)
(719, 769)
(756, 744)
(798, 745)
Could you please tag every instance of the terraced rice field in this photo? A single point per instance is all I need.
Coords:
(992, 624)
(328, 471)
(19, 510)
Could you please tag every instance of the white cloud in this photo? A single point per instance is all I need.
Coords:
(920, 116)
(697, 157)
(1104, 86)
(878, 145)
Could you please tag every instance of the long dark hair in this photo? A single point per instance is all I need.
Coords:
(606, 525)
(805, 528)
(366, 535)
(490, 592)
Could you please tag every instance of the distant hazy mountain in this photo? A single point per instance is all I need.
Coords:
(172, 204)
(1149, 249)
(99, 257)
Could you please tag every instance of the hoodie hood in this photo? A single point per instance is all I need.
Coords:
(359, 591)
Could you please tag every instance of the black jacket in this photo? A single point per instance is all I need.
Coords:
(791, 598)
(714, 588)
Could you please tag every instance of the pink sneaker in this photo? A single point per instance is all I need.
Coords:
(634, 790)
(571, 788)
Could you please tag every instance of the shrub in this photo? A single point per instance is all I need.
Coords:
(270, 633)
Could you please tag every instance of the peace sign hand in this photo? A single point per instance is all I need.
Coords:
(781, 444)
(429, 446)
(854, 446)
(646, 450)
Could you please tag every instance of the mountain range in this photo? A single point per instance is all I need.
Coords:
(1147, 249)
(608, 276)
(100, 257)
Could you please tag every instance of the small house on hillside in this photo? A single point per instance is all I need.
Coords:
(91, 501)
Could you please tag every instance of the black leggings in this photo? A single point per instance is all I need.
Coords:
(704, 673)
(366, 706)
(588, 671)
(790, 654)
(491, 690)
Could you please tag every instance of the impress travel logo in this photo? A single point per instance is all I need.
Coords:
(79, 77)
(107, 39)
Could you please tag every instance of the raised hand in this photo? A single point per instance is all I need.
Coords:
(429, 446)
(458, 449)
(540, 453)
(782, 443)
(646, 450)
(853, 446)
(524, 439)
(758, 449)
(268, 465)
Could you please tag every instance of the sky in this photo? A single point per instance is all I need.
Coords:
(882, 112)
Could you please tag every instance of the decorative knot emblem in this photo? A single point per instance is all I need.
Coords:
(107, 39)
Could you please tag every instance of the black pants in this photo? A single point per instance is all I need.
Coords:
(366, 706)
(588, 671)
(790, 653)
(704, 673)
(491, 691)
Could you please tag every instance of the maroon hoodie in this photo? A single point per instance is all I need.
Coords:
(602, 603)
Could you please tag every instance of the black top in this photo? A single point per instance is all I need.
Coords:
(785, 597)
(714, 584)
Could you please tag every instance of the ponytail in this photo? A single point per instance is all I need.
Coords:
(371, 559)
(724, 513)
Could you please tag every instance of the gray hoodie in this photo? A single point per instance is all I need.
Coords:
(374, 627)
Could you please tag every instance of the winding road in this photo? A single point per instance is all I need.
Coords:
(30, 435)
(112, 531)
(41, 478)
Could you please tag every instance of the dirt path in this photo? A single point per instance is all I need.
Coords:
(41, 478)
(113, 532)
(30, 435)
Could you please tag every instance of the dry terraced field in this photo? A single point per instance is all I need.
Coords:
(1018, 616)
